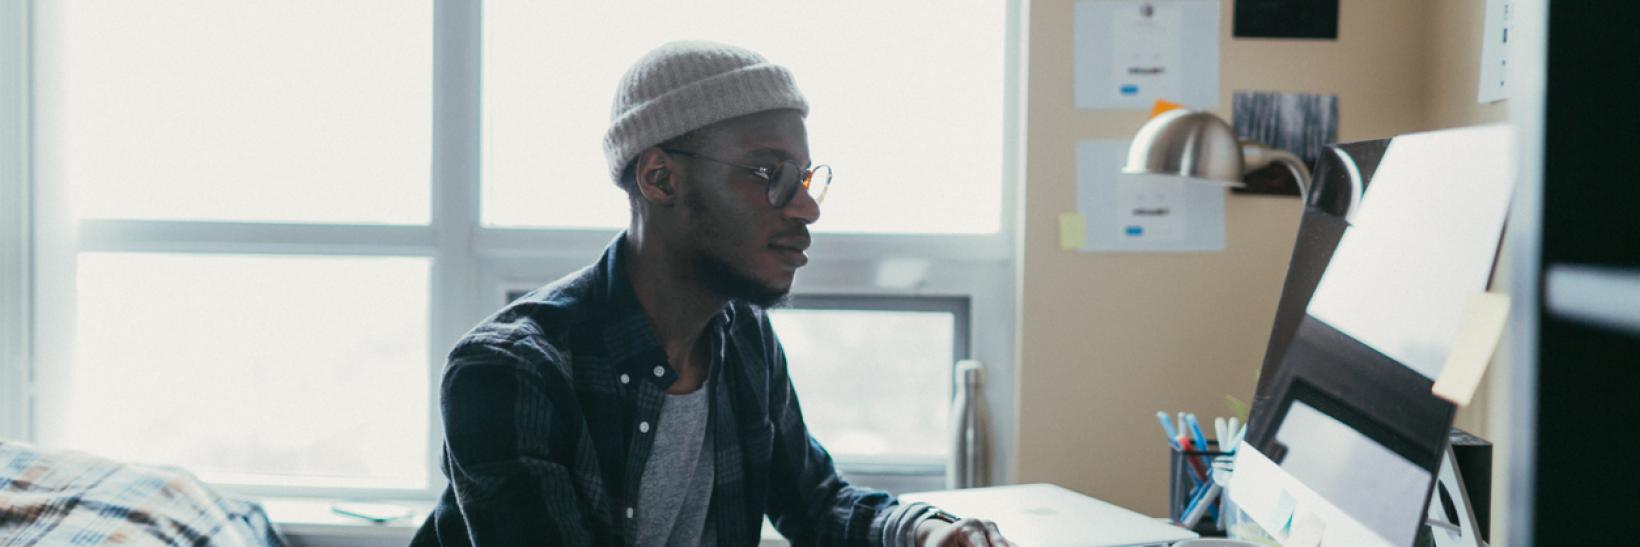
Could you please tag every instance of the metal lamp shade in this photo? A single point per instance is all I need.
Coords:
(1186, 143)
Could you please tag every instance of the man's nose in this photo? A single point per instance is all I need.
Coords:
(802, 207)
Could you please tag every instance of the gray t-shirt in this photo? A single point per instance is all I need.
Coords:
(676, 487)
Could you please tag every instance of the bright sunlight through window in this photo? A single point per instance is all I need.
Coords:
(906, 104)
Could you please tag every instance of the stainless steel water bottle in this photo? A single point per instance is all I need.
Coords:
(969, 465)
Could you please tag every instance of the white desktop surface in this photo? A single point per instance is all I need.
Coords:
(1048, 515)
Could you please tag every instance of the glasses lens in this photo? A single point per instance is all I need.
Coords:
(817, 182)
(789, 178)
(783, 183)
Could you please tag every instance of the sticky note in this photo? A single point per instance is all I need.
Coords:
(1073, 231)
(1163, 106)
(1483, 319)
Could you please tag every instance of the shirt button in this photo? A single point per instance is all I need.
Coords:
(660, 371)
(643, 427)
(629, 512)
(626, 379)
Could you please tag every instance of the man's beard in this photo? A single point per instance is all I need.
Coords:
(722, 278)
(718, 274)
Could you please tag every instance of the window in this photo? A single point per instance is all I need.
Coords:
(237, 111)
(257, 230)
(875, 373)
(248, 185)
(905, 104)
(251, 369)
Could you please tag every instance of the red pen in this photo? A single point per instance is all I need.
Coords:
(1195, 464)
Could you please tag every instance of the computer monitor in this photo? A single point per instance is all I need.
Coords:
(1397, 234)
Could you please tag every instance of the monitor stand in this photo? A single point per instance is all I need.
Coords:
(1451, 519)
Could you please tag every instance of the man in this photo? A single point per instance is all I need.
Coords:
(645, 400)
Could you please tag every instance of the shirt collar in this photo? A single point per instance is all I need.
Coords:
(628, 336)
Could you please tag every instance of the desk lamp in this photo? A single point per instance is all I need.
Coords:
(1201, 146)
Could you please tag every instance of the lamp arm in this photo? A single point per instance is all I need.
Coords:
(1257, 155)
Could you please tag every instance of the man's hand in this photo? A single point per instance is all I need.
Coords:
(965, 532)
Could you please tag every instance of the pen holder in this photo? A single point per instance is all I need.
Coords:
(1184, 479)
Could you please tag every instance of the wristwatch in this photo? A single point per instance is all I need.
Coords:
(943, 516)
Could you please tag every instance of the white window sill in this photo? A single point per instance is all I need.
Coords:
(309, 523)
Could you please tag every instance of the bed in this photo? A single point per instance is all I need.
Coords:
(70, 498)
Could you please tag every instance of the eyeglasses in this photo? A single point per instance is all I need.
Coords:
(784, 180)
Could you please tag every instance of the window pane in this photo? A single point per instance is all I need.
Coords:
(906, 101)
(273, 370)
(239, 111)
(872, 383)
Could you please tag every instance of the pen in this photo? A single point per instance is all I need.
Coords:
(1184, 447)
(1196, 432)
(1167, 428)
(1201, 440)
(1222, 431)
(1198, 506)
(1184, 427)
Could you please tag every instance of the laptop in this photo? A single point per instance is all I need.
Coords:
(1047, 515)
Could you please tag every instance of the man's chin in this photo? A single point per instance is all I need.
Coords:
(770, 301)
(764, 294)
(745, 287)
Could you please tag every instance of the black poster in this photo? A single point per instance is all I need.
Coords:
(1315, 19)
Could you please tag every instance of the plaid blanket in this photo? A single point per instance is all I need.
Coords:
(69, 498)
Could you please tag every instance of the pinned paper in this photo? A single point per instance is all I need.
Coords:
(1073, 231)
(1479, 329)
(1494, 79)
(1143, 213)
(1128, 53)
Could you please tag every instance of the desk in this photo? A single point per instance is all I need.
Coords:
(1050, 515)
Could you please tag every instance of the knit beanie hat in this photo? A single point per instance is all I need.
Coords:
(683, 86)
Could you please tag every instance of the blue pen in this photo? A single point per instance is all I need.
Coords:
(1167, 427)
(1182, 441)
(1199, 505)
(1201, 440)
(1190, 499)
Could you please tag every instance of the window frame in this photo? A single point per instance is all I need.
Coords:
(471, 263)
(16, 239)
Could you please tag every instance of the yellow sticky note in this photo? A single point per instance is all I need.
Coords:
(1073, 231)
(1484, 316)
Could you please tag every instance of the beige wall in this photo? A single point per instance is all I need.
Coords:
(1106, 339)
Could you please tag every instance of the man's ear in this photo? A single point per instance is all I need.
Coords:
(656, 174)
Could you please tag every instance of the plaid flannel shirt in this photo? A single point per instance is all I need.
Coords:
(546, 405)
